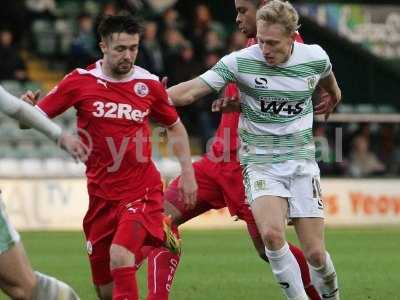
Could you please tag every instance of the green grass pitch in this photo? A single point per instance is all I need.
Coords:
(221, 264)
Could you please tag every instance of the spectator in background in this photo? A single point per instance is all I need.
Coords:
(213, 42)
(150, 55)
(108, 9)
(170, 20)
(13, 16)
(172, 45)
(83, 50)
(387, 150)
(363, 162)
(237, 41)
(207, 120)
(185, 67)
(203, 23)
(12, 67)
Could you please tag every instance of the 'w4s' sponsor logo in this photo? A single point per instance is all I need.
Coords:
(276, 107)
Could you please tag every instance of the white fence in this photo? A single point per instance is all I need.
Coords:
(53, 204)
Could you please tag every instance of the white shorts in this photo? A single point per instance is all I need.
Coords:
(8, 235)
(298, 181)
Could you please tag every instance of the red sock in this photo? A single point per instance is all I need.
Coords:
(144, 253)
(161, 268)
(125, 285)
(305, 273)
(312, 293)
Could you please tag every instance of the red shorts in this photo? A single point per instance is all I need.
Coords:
(105, 224)
(220, 184)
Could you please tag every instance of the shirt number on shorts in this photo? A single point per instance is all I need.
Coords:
(317, 193)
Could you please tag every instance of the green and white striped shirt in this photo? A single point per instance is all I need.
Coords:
(276, 108)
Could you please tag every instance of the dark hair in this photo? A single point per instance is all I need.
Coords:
(117, 24)
(83, 15)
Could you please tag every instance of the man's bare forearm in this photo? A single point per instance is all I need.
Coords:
(179, 140)
(188, 92)
(187, 183)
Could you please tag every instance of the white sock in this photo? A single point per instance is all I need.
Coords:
(325, 280)
(287, 272)
(50, 288)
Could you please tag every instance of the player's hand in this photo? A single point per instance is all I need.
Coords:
(188, 189)
(74, 146)
(326, 104)
(31, 98)
(226, 104)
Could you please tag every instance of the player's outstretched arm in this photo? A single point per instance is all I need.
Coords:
(329, 102)
(27, 114)
(31, 98)
(179, 140)
(188, 92)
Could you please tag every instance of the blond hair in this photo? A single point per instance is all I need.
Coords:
(280, 12)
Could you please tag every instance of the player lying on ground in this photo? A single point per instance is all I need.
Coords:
(277, 150)
(114, 100)
(17, 278)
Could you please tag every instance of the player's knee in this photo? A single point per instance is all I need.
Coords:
(23, 291)
(17, 293)
(273, 236)
(173, 212)
(121, 257)
(315, 256)
(104, 293)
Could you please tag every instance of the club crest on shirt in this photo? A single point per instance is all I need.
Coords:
(260, 185)
(141, 89)
(312, 82)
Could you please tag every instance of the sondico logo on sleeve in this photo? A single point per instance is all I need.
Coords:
(118, 111)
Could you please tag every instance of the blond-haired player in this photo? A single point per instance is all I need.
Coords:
(276, 79)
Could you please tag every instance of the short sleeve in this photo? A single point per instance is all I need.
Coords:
(61, 97)
(163, 110)
(328, 66)
(222, 73)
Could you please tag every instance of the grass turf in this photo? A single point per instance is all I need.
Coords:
(221, 264)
